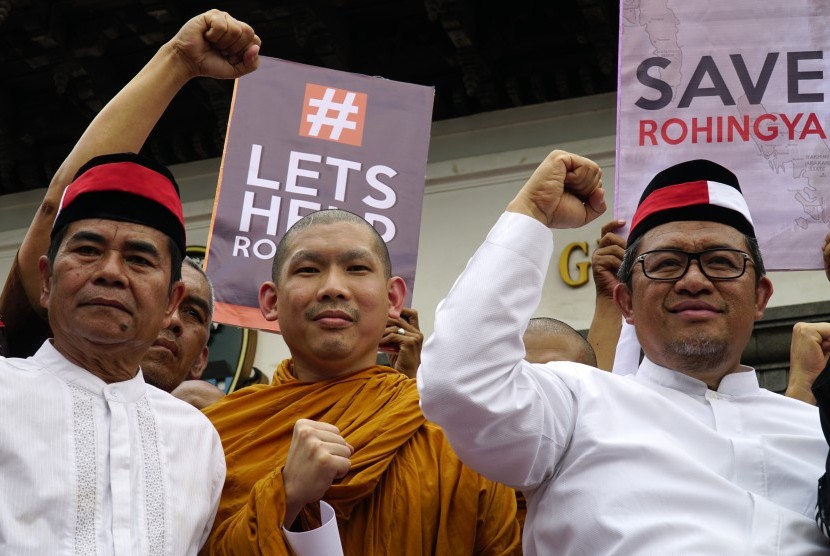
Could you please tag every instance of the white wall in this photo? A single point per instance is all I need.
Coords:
(476, 165)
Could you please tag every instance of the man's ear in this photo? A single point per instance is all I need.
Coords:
(45, 269)
(763, 291)
(173, 300)
(268, 300)
(200, 364)
(397, 295)
(622, 297)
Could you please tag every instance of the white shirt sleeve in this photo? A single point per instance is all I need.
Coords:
(506, 418)
(323, 540)
(627, 355)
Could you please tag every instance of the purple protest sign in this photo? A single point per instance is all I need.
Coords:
(742, 83)
(302, 139)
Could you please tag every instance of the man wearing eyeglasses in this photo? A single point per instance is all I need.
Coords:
(687, 454)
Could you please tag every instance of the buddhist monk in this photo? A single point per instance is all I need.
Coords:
(548, 339)
(333, 426)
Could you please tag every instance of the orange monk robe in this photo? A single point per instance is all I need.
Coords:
(406, 493)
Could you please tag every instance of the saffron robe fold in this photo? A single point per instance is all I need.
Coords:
(406, 493)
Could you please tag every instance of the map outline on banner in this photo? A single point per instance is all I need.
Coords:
(739, 83)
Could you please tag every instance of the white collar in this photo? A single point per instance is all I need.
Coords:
(742, 382)
(53, 361)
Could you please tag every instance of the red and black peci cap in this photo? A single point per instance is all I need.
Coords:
(693, 190)
(126, 187)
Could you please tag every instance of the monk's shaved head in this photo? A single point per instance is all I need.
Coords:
(319, 218)
(547, 339)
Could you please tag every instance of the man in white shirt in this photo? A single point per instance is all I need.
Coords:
(687, 455)
(92, 459)
(213, 44)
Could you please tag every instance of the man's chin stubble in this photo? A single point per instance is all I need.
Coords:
(697, 354)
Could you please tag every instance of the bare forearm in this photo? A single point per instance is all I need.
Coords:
(123, 125)
(605, 332)
(809, 352)
(800, 390)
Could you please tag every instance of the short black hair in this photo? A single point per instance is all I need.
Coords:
(198, 268)
(322, 217)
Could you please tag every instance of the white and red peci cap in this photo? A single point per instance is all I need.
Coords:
(126, 187)
(693, 190)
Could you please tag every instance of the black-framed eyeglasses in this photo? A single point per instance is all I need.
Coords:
(715, 264)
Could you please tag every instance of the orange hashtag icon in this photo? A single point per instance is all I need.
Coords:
(333, 114)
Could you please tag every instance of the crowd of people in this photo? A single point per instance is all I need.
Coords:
(501, 434)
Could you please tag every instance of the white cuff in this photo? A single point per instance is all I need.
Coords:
(323, 540)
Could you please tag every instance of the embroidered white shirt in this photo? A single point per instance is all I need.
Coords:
(93, 468)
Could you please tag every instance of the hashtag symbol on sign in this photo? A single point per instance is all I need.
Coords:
(327, 105)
